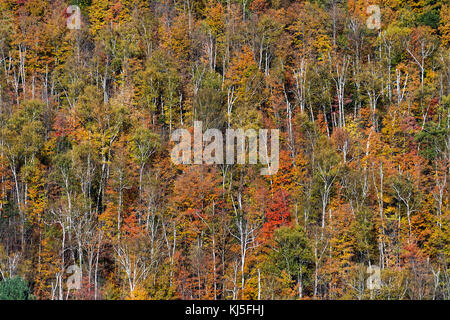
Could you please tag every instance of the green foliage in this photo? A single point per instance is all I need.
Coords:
(291, 253)
(144, 144)
(432, 140)
(15, 289)
(429, 18)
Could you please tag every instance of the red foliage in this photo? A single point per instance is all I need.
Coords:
(277, 214)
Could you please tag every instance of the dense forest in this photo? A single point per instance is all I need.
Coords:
(86, 177)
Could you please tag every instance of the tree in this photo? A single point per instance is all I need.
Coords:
(15, 289)
(290, 253)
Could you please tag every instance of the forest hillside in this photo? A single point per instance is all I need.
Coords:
(93, 207)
